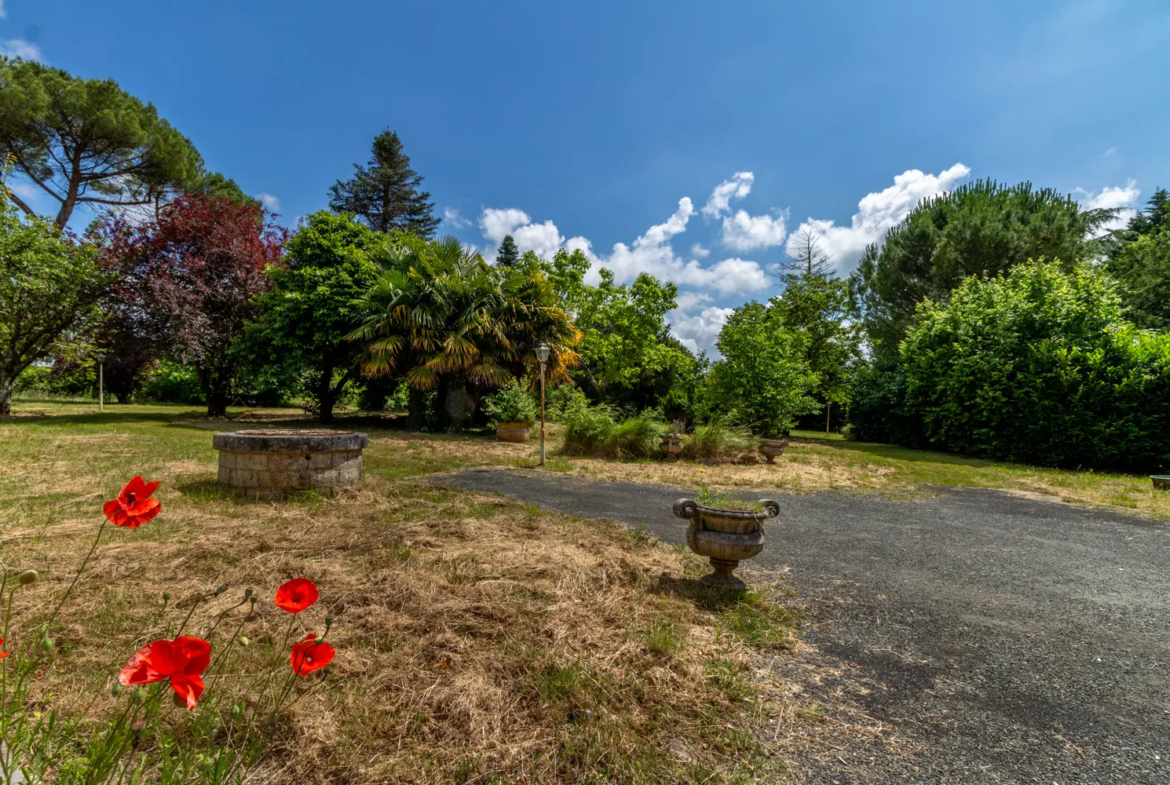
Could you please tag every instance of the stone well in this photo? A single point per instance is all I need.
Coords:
(271, 463)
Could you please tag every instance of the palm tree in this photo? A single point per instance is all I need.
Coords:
(445, 320)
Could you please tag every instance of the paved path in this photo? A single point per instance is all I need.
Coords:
(1006, 640)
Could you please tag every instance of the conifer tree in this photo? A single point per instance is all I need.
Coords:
(508, 254)
(385, 193)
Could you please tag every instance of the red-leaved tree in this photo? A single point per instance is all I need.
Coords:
(188, 279)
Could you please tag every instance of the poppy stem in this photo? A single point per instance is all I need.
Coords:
(80, 570)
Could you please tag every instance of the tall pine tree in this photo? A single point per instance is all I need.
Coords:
(508, 254)
(385, 193)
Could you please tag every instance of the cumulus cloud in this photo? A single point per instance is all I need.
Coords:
(878, 212)
(698, 331)
(699, 252)
(1121, 198)
(270, 202)
(18, 47)
(745, 232)
(651, 253)
(452, 217)
(737, 187)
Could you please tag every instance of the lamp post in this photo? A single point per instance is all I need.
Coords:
(101, 384)
(542, 355)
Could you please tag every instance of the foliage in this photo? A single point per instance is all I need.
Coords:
(303, 322)
(764, 380)
(718, 440)
(1140, 261)
(189, 280)
(174, 383)
(1040, 367)
(593, 431)
(385, 193)
(562, 400)
(878, 411)
(49, 286)
(819, 308)
(445, 320)
(983, 229)
(629, 359)
(511, 403)
(507, 255)
(87, 141)
(63, 379)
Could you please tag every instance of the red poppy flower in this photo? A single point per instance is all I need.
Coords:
(182, 660)
(3, 654)
(296, 595)
(308, 655)
(133, 507)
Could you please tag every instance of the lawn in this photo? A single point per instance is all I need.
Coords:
(478, 639)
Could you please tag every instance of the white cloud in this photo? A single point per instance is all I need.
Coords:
(878, 212)
(688, 300)
(3, 10)
(745, 232)
(736, 188)
(270, 202)
(698, 332)
(26, 191)
(1109, 152)
(18, 47)
(452, 217)
(651, 253)
(699, 252)
(1122, 198)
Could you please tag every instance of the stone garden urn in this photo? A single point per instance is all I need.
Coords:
(772, 447)
(513, 432)
(671, 444)
(725, 537)
(1161, 481)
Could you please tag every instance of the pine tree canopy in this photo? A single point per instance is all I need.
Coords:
(385, 193)
(508, 254)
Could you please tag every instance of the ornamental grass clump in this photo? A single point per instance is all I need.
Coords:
(222, 710)
(719, 442)
(592, 431)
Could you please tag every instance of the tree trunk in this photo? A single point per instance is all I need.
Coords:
(6, 384)
(416, 407)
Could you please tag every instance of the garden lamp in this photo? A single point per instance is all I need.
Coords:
(542, 355)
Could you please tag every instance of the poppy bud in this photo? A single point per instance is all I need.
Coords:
(140, 694)
(47, 644)
(247, 593)
(27, 577)
(328, 621)
(117, 689)
(237, 711)
(220, 589)
(166, 597)
(244, 640)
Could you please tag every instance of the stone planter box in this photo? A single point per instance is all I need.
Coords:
(273, 463)
(725, 537)
(514, 432)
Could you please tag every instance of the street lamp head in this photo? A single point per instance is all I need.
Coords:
(542, 352)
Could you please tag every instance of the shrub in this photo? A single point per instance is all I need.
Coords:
(593, 431)
(1040, 367)
(512, 403)
(878, 411)
(174, 383)
(563, 400)
(719, 441)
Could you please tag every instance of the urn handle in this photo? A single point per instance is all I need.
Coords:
(688, 509)
(771, 507)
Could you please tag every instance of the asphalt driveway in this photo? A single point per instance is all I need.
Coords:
(1001, 639)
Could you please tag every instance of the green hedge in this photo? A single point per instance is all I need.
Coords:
(1040, 367)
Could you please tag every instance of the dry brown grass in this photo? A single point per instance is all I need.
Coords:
(479, 640)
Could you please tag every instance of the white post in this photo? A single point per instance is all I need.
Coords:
(542, 414)
(101, 389)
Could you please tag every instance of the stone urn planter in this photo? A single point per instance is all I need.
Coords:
(514, 432)
(772, 448)
(725, 537)
(1161, 481)
(671, 445)
(271, 463)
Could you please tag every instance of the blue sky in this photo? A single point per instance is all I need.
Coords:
(689, 140)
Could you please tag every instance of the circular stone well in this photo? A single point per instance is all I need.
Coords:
(271, 463)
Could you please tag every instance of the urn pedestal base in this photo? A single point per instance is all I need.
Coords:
(722, 575)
